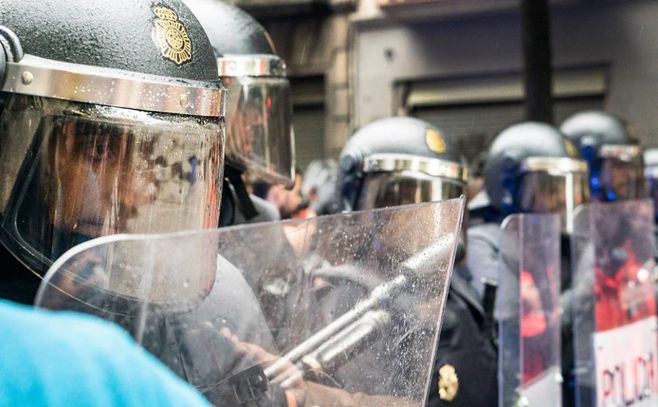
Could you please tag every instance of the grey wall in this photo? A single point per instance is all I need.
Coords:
(623, 35)
(317, 45)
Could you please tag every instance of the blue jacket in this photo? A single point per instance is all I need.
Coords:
(66, 359)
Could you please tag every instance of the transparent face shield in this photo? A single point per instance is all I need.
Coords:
(259, 116)
(389, 189)
(622, 172)
(393, 180)
(71, 171)
(554, 185)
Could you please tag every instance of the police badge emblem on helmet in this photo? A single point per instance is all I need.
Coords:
(572, 151)
(434, 141)
(448, 382)
(170, 35)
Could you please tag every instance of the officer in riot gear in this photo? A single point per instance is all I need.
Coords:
(108, 125)
(613, 153)
(392, 306)
(259, 141)
(531, 168)
(400, 161)
(259, 110)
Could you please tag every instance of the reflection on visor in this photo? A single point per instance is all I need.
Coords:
(621, 179)
(260, 127)
(623, 152)
(109, 171)
(384, 189)
(543, 192)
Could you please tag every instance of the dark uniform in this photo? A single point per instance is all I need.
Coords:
(400, 161)
(466, 342)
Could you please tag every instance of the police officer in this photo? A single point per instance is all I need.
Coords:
(113, 125)
(611, 147)
(108, 125)
(398, 161)
(616, 163)
(531, 168)
(260, 142)
(260, 139)
(259, 110)
(612, 150)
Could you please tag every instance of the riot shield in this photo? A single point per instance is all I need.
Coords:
(334, 310)
(528, 311)
(614, 309)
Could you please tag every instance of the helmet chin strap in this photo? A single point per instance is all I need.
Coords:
(227, 210)
(244, 203)
(460, 252)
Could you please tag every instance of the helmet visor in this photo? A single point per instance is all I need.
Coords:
(259, 117)
(71, 172)
(622, 179)
(554, 186)
(382, 189)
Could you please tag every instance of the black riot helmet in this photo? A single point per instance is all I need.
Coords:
(259, 109)
(111, 122)
(531, 167)
(612, 151)
(399, 160)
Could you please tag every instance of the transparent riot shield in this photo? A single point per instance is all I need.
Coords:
(614, 306)
(528, 311)
(335, 310)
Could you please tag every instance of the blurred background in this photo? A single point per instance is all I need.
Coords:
(455, 63)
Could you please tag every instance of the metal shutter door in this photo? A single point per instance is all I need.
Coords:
(309, 134)
(472, 127)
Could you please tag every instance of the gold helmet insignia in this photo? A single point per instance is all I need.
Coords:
(572, 150)
(434, 141)
(170, 35)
